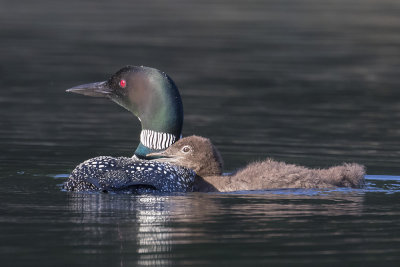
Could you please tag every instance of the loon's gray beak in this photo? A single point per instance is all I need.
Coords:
(98, 89)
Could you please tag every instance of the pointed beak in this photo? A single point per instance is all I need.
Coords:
(160, 156)
(98, 89)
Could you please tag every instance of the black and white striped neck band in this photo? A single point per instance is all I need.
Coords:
(156, 140)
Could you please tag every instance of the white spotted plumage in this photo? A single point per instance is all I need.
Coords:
(113, 174)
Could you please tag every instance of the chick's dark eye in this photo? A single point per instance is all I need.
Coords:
(186, 149)
(122, 83)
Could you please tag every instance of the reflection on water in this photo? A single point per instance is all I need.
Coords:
(270, 224)
(142, 220)
(284, 227)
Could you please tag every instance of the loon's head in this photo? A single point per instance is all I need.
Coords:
(149, 94)
(193, 152)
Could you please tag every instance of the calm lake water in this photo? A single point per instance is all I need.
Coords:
(310, 82)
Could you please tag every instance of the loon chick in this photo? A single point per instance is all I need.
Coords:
(153, 97)
(199, 154)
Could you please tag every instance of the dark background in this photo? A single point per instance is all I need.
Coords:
(308, 82)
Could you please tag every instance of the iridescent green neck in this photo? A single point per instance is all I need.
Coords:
(161, 115)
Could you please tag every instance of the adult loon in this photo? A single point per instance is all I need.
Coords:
(153, 97)
(199, 154)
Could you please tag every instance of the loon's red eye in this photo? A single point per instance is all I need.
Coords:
(122, 83)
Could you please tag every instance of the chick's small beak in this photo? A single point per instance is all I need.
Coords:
(162, 157)
(97, 89)
(161, 154)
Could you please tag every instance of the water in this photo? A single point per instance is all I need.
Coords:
(308, 82)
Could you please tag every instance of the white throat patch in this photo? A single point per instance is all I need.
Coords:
(156, 140)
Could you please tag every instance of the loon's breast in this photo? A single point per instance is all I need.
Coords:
(107, 173)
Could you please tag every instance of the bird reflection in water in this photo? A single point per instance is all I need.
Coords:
(158, 230)
(137, 225)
